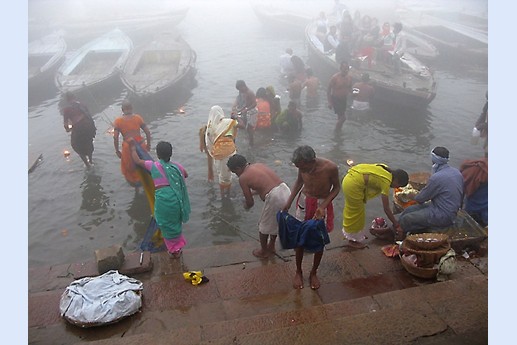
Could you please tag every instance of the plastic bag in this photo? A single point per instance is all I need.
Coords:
(447, 264)
(96, 301)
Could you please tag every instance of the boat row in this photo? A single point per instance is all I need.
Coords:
(281, 20)
(150, 68)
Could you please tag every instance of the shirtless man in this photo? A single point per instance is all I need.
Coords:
(340, 85)
(318, 181)
(362, 93)
(295, 90)
(244, 109)
(312, 83)
(259, 179)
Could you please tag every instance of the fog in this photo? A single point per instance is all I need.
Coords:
(54, 12)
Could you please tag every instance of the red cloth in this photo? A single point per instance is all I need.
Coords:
(475, 173)
(391, 250)
(311, 204)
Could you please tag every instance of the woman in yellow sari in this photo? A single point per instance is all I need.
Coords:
(217, 140)
(129, 125)
(362, 183)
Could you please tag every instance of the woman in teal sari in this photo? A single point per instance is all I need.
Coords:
(172, 204)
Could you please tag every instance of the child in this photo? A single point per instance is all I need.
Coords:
(172, 205)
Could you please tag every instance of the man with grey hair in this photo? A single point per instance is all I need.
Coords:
(438, 202)
(316, 186)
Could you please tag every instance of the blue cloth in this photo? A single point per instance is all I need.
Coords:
(151, 242)
(310, 234)
(445, 191)
(438, 161)
(477, 205)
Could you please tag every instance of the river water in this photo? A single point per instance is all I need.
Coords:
(73, 211)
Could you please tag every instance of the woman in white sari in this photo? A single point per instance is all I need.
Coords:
(217, 140)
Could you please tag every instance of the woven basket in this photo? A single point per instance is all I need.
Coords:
(427, 241)
(421, 272)
(419, 180)
(426, 258)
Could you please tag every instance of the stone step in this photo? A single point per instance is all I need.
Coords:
(395, 317)
(245, 293)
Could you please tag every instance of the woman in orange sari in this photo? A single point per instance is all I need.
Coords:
(129, 125)
(264, 109)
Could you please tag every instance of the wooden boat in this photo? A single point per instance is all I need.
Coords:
(414, 87)
(420, 47)
(456, 34)
(281, 20)
(84, 25)
(95, 63)
(159, 65)
(45, 56)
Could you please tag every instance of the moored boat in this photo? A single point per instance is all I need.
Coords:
(82, 26)
(414, 87)
(457, 35)
(420, 47)
(95, 63)
(281, 20)
(45, 56)
(158, 65)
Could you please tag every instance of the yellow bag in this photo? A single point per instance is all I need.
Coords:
(223, 147)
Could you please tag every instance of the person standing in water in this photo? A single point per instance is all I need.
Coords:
(217, 140)
(362, 93)
(172, 204)
(78, 120)
(130, 126)
(244, 109)
(482, 125)
(339, 87)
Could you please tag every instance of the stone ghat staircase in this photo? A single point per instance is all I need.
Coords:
(364, 298)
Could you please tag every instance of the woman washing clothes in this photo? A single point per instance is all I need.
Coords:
(172, 203)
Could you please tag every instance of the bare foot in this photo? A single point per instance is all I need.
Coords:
(298, 281)
(260, 254)
(271, 248)
(315, 282)
(355, 244)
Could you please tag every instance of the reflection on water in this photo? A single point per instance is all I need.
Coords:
(140, 214)
(94, 198)
(222, 220)
(95, 204)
